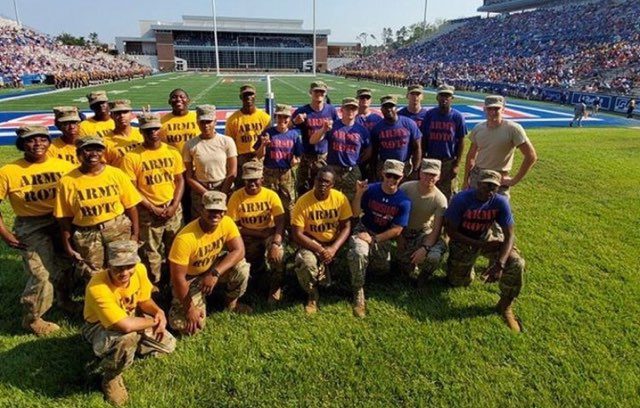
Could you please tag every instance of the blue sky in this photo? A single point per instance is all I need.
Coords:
(345, 18)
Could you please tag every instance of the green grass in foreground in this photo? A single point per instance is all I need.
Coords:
(577, 226)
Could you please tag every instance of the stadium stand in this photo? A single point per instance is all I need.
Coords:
(585, 46)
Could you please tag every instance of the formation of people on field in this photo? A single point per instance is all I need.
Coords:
(129, 213)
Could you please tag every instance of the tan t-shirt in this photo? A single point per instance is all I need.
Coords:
(496, 146)
(208, 157)
(423, 207)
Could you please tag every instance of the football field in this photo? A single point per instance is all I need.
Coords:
(577, 226)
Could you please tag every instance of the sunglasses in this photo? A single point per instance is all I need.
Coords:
(364, 97)
(392, 176)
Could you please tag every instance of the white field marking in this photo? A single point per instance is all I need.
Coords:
(293, 86)
(153, 83)
(79, 100)
(539, 120)
(118, 91)
(138, 87)
(207, 89)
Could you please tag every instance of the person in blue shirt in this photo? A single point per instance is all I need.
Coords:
(414, 109)
(385, 213)
(348, 146)
(443, 131)
(366, 117)
(468, 220)
(395, 138)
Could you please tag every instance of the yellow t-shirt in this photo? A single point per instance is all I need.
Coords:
(153, 171)
(320, 219)
(108, 304)
(63, 151)
(177, 130)
(31, 187)
(116, 146)
(91, 200)
(255, 211)
(199, 250)
(92, 127)
(245, 129)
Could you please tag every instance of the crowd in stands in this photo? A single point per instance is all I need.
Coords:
(231, 40)
(24, 51)
(588, 45)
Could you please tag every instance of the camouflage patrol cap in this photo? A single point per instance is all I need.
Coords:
(283, 110)
(252, 170)
(363, 92)
(393, 167)
(247, 88)
(431, 166)
(120, 105)
(214, 200)
(389, 100)
(494, 101)
(490, 176)
(149, 120)
(66, 114)
(206, 112)
(446, 90)
(318, 85)
(350, 102)
(122, 253)
(97, 97)
(89, 141)
(415, 88)
(28, 131)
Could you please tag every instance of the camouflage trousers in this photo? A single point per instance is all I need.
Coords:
(255, 252)
(409, 242)
(448, 182)
(463, 257)
(362, 256)
(46, 267)
(408, 169)
(235, 280)
(91, 243)
(157, 236)
(307, 171)
(474, 178)
(196, 199)
(310, 271)
(346, 178)
(242, 159)
(282, 182)
(117, 350)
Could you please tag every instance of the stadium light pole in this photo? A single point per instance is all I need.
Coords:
(424, 19)
(314, 38)
(15, 8)
(215, 35)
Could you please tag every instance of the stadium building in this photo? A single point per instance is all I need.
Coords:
(244, 44)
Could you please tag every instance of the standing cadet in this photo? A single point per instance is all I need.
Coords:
(245, 125)
(493, 144)
(421, 247)
(443, 132)
(124, 137)
(260, 218)
(385, 212)
(64, 147)
(206, 252)
(309, 119)
(101, 123)
(395, 138)
(414, 109)
(366, 117)
(469, 219)
(95, 204)
(579, 112)
(280, 148)
(156, 169)
(30, 184)
(321, 223)
(121, 319)
(210, 159)
(348, 146)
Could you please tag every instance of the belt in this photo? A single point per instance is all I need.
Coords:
(100, 226)
(210, 185)
(341, 169)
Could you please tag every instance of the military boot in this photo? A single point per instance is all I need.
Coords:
(312, 302)
(114, 390)
(505, 309)
(358, 307)
(39, 326)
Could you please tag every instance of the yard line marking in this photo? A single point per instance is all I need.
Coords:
(207, 89)
(292, 86)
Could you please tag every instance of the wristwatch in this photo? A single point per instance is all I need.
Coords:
(215, 273)
(426, 247)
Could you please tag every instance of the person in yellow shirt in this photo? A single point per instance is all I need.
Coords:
(245, 125)
(64, 147)
(124, 137)
(206, 252)
(260, 217)
(101, 123)
(121, 318)
(90, 205)
(30, 185)
(156, 169)
(321, 224)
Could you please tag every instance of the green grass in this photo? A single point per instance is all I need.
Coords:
(577, 218)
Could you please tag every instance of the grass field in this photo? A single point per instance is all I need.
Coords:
(577, 227)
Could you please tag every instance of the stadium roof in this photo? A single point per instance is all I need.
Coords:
(505, 6)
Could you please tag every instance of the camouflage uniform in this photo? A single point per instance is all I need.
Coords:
(408, 168)
(256, 250)
(474, 176)
(236, 280)
(410, 241)
(242, 159)
(282, 182)
(196, 199)
(91, 242)
(448, 183)
(157, 235)
(310, 271)
(307, 171)
(363, 256)
(346, 178)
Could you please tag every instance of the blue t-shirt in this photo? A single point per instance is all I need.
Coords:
(381, 211)
(441, 133)
(283, 147)
(346, 143)
(394, 140)
(474, 217)
(314, 121)
(416, 117)
(368, 121)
